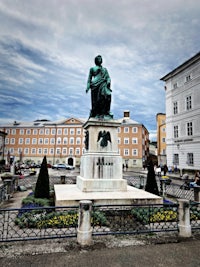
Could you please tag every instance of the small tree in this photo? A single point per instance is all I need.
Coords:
(42, 185)
(151, 184)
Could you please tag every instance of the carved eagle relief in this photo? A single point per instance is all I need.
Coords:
(104, 137)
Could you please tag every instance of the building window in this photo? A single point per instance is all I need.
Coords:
(46, 141)
(65, 131)
(34, 141)
(72, 131)
(64, 151)
(163, 140)
(77, 152)
(40, 141)
(13, 131)
(119, 130)
(126, 141)
(41, 131)
(126, 129)
(175, 107)
(11, 150)
(189, 129)
(58, 141)
(6, 141)
(58, 151)
(52, 141)
(126, 152)
(164, 151)
(65, 141)
(78, 140)
(33, 150)
(134, 152)
(188, 102)
(45, 151)
(119, 141)
(78, 131)
(59, 131)
(134, 140)
(176, 159)
(71, 151)
(26, 151)
(39, 151)
(21, 140)
(175, 85)
(47, 131)
(188, 78)
(71, 140)
(134, 130)
(51, 152)
(21, 131)
(35, 131)
(28, 131)
(176, 131)
(12, 141)
(53, 131)
(27, 141)
(190, 159)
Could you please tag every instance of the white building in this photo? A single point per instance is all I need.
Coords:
(182, 86)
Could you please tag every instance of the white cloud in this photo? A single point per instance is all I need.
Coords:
(47, 48)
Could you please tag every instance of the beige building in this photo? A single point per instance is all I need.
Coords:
(63, 141)
(161, 138)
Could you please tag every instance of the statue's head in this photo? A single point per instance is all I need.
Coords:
(98, 60)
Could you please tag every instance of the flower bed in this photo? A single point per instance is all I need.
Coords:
(46, 218)
(153, 215)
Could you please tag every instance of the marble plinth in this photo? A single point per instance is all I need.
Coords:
(67, 195)
(101, 185)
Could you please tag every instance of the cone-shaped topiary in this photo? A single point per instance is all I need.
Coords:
(151, 184)
(42, 185)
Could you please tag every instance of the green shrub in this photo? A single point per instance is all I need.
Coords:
(42, 185)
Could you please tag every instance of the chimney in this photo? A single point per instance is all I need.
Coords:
(126, 114)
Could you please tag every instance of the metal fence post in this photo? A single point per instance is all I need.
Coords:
(84, 232)
(184, 218)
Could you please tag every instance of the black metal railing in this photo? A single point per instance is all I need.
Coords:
(38, 223)
(134, 219)
(177, 192)
(61, 222)
(170, 189)
(195, 215)
(3, 193)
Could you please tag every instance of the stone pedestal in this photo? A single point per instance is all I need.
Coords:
(101, 179)
(101, 165)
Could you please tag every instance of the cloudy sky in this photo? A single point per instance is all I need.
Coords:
(48, 47)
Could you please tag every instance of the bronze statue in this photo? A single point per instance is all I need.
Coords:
(99, 83)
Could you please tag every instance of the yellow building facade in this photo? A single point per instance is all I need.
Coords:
(161, 138)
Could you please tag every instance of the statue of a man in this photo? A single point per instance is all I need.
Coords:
(99, 83)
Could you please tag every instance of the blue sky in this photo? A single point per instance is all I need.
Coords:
(48, 47)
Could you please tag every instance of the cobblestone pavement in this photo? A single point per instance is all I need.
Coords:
(109, 252)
